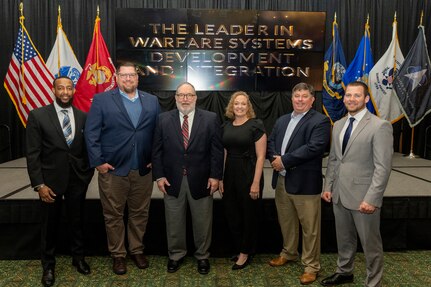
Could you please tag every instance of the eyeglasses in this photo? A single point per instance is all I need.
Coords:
(185, 96)
(125, 76)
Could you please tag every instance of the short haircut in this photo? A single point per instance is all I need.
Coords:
(305, 87)
(229, 109)
(185, 83)
(62, 77)
(359, 84)
(125, 64)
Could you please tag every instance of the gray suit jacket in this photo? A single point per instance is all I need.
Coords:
(362, 173)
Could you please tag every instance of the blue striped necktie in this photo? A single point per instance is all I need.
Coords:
(67, 127)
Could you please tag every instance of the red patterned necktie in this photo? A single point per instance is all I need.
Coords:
(185, 131)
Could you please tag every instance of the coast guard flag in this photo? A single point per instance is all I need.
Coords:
(361, 66)
(333, 71)
(28, 81)
(98, 73)
(62, 61)
(381, 79)
(413, 82)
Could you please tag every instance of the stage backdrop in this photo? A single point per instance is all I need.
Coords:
(78, 19)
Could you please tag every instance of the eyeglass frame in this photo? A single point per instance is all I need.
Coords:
(127, 75)
(185, 96)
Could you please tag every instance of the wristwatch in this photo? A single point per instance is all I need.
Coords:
(39, 187)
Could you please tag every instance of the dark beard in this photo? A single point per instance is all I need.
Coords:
(64, 105)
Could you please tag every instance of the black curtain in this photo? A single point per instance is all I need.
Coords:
(78, 21)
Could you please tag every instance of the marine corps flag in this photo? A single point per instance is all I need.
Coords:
(333, 71)
(361, 65)
(381, 79)
(98, 73)
(413, 82)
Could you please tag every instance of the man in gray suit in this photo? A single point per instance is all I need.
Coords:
(358, 171)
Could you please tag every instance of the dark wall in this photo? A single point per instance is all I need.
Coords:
(78, 21)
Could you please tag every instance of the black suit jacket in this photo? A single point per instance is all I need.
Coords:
(203, 158)
(49, 159)
(304, 151)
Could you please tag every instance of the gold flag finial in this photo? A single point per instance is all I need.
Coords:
(335, 16)
(368, 19)
(422, 17)
(21, 9)
(395, 16)
(98, 11)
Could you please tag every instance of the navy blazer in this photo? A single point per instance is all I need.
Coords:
(203, 158)
(304, 151)
(110, 134)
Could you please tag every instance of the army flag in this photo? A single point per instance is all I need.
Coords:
(62, 60)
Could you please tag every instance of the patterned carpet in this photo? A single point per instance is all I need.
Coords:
(410, 268)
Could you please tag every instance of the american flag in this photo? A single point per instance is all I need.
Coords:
(28, 81)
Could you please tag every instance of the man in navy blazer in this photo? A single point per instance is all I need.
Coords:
(188, 164)
(295, 149)
(119, 136)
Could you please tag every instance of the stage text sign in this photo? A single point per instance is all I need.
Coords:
(222, 49)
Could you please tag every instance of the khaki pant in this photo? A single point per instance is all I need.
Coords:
(115, 192)
(293, 210)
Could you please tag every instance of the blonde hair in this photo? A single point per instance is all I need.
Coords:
(229, 109)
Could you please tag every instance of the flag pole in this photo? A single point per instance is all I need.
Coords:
(22, 68)
(412, 155)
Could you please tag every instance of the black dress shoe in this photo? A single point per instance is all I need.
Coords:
(203, 266)
(81, 266)
(119, 265)
(48, 277)
(174, 265)
(337, 279)
(234, 258)
(242, 266)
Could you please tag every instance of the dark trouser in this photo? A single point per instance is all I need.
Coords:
(74, 200)
(242, 212)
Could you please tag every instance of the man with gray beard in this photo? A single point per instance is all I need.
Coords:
(188, 164)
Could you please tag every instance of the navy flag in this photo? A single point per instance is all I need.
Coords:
(413, 82)
(333, 72)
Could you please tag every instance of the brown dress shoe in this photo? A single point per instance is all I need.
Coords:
(119, 265)
(140, 261)
(307, 278)
(279, 261)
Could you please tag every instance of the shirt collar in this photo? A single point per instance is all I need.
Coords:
(58, 109)
(127, 97)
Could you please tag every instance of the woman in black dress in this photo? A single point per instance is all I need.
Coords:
(244, 141)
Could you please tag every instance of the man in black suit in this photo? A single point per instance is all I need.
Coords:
(295, 149)
(188, 164)
(57, 164)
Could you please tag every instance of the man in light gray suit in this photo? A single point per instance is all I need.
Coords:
(358, 170)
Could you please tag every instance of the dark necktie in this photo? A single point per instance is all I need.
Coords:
(347, 134)
(185, 131)
(67, 127)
